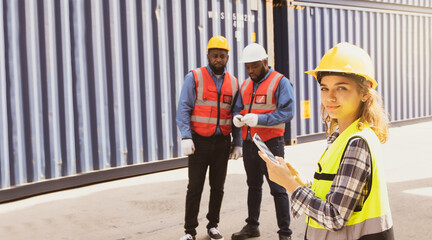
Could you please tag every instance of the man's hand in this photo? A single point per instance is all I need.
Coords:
(236, 153)
(250, 119)
(188, 146)
(238, 121)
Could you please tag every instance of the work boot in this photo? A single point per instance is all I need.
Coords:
(214, 234)
(284, 237)
(247, 231)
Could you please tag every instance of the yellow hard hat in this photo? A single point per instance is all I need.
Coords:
(218, 42)
(347, 58)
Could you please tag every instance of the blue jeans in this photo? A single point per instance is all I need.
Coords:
(212, 153)
(255, 170)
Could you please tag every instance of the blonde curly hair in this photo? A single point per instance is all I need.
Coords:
(372, 110)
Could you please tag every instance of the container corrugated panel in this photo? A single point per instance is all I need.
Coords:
(400, 44)
(88, 85)
(419, 3)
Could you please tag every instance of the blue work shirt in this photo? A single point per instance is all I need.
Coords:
(284, 95)
(187, 103)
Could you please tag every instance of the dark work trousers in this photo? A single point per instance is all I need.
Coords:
(255, 170)
(212, 153)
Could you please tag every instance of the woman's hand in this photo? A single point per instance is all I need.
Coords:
(282, 174)
(300, 180)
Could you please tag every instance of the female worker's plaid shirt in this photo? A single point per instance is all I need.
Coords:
(347, 192)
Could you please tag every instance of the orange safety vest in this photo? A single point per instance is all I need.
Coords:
(211, 108)
(264, 101)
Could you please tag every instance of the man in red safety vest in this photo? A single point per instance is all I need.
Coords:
(204, 117)
(265, 104)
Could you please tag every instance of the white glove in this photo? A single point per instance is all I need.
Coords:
(236, 153)
(238, 121)
(250, 119)
(188, 146)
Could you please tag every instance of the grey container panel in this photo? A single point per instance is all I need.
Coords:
(393, 4)
(398, 42)
(420, 3)
(92, 85)
(4, 126)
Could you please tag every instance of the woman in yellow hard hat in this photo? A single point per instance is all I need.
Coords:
(348, 197)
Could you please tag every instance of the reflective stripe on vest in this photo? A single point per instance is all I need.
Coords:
(374, 217)
(204, 117)
(211, 120)
(374, 226)
(266, 105)
(200, 89)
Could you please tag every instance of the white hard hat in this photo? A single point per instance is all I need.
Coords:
(253, 53)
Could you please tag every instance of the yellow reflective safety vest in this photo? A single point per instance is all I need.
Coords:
(373, 220)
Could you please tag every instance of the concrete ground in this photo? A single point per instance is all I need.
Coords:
(152, 206)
